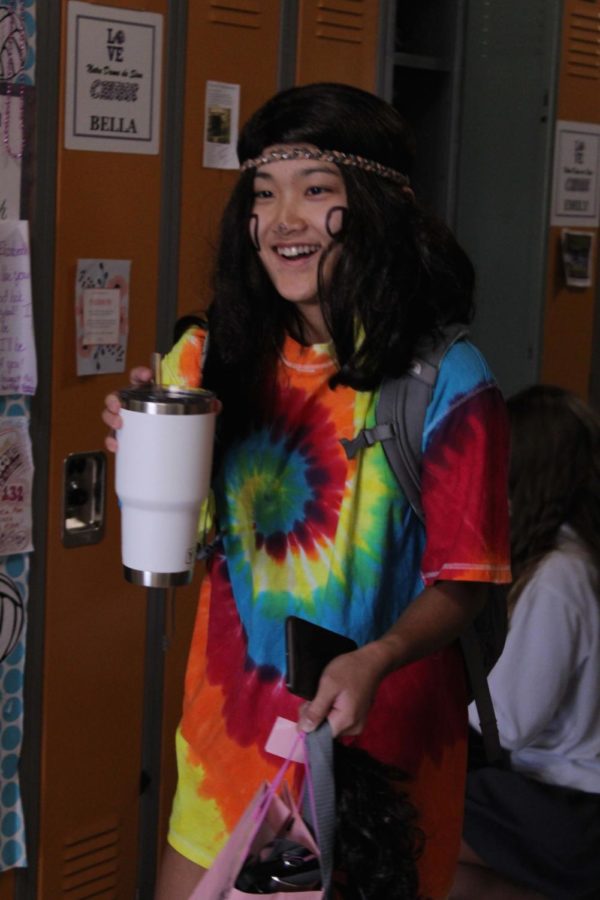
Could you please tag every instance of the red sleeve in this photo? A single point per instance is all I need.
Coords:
(464, 492)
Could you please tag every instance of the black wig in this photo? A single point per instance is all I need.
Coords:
(377, 835)
(400, 274)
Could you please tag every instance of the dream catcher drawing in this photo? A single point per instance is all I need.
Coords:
(13, 43)
(12, 616)
(14, 59)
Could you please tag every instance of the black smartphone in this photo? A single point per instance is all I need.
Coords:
(308, 649)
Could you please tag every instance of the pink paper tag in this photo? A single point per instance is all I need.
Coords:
(281, 740)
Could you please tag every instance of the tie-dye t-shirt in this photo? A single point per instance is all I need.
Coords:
(307, 532)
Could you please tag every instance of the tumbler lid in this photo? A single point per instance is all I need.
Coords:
(169, 400)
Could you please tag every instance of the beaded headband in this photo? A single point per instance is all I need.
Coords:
(332, 156)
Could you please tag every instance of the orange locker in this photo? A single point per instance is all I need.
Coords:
(235, 43)
(107, 206)
(7, 885)
(337, 41)
(569, 312)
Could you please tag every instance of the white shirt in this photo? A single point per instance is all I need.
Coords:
(546, 684)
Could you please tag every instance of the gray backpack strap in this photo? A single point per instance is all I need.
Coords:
(400, 419)
(366, 437)
(400, 415)
(471, 650)
(404, 402)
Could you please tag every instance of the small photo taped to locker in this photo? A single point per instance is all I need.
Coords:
(309, 648)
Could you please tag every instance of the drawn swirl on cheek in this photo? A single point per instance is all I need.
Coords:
(253, 226)
(335, 222)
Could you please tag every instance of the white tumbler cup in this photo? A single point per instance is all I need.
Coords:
(163, 468)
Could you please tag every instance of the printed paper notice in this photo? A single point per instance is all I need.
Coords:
(102, 315)
(16, 477)
(113, 79)
(18, 370)
(222, 106)
(576, 189)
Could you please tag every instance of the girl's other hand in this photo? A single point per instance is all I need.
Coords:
(110, 413)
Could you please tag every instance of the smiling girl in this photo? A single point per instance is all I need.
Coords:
(298, 208)
(328, 276)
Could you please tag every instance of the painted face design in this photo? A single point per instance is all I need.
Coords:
(298, 213)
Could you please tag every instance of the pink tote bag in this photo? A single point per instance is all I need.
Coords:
(271, 808)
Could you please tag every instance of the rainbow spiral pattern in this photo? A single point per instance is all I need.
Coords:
(307, 532)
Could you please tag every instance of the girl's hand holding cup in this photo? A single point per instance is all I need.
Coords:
(110, 413)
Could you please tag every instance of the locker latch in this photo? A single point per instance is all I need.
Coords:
(84, 489)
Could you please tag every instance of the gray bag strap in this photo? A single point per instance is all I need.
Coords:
(320, 761)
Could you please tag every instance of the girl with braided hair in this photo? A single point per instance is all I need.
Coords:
(328, 275)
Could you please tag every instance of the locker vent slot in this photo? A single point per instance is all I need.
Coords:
(583, 47)
(340, 20)
(241, 13)
(90, 863)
